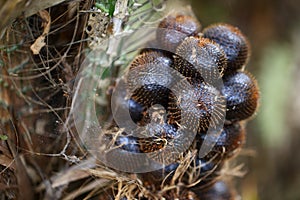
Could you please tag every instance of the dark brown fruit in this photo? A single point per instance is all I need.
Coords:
(232, 41)
(204, 169)
(154, 179)
(148, 81)
(128, 143)
(230, 140)
(242, 94)
(150, 95)
(219, 191)
(174, 28)
(150, 67)
(200, 57)
(197, 106)
(208, 170)
(155, 137)
(136, 110)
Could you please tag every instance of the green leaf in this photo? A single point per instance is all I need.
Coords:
(3, 137)
(107, 6)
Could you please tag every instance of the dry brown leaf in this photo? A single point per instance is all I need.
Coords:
(70, 176)
(89, 187)
(7, 162)
(40, 41)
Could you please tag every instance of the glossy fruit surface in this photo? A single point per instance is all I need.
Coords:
(199, 106)
(232, 41)
(242, 94)
(174, 28)
(200, 57)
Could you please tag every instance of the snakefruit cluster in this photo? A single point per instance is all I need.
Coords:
(214, 90)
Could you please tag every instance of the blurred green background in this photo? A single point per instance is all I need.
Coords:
(273, 28)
